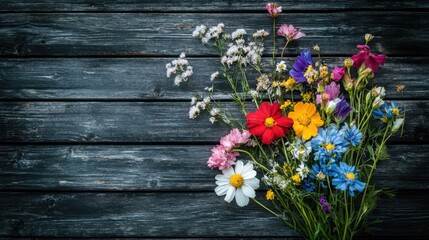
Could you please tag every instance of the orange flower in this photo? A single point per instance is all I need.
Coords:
(306, 120)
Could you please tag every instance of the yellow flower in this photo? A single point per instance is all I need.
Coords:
(285, 104)
(296, 178)
(289, 84)
(306, 97)
(270, 195)
(306, 120)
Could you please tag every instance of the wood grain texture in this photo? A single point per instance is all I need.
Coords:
(173, 215)
(139, 122)
(144, 78)
(158, 168)
(157, 34)
(205, 6)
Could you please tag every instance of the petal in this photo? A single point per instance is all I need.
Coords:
(247, 168)
(248, 191)
(221, 177)
(278, 132)
(239, 167)
(268, 136)
(298, 128)
(221, 190)
(228, 172)
(253, 183)
(306, 133)
(249, 174)
(257, 131)
(316, 120)
(284, 121)
(240, 198)
(265, 108)
(230, 194)
(292, 115)
(311, 109)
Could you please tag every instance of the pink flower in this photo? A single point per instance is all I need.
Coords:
(273, 9)
(371, 60)
(235, 137)
(330, 93)
(289, 32)
(338, 73)
(221, 158)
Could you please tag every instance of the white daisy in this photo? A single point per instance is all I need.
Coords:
(281, 66)
(239, 183)
(302, 170)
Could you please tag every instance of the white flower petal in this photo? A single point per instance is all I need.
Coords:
(221, 190)
(221, 183)
(253, 183)
(248, 167)
(248, 191)
(230, 194)
(221, 177)
(241, 199)
(249, 175)
(239, 167)
(228, 172)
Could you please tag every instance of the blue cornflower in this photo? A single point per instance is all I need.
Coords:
(328, 145)
(308, 186)
(304, 62)
(346, 179)
(386, 112)
(351, 134)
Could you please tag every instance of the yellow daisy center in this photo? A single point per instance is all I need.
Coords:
(270, 122)
(350, 176)
(304, 120)
(329, 147)
(395, 111)
(236, 180)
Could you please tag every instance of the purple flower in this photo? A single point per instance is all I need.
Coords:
(325, 205)
(342, 111)
(303, 61)
(338, 73)
(330, 93)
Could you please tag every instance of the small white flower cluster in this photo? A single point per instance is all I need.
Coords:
(180, 68)
(300, 149)
(197, 106)
(213, 114)
(276, 180)
(214, 76)
(201, 32)
(242, 53)
(260, 34)
(263, 83)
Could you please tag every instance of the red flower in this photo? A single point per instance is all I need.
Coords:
(371, 60)
(268, 123)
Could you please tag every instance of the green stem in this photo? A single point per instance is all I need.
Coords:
(287, 42)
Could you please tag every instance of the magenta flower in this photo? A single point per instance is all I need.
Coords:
(289, 32)
(273, 9)
(330, 92)
(338, 73)
(371, 60)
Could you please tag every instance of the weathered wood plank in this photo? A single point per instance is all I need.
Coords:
(134, 34)
(157, 168)
(138, 122)
(144, 78)
(174, 215)
(205, 6)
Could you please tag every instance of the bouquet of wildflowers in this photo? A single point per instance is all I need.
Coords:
(316, 152)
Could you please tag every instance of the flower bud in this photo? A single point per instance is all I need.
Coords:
(347, 82)
(348, 62)
(316, 48)
(368, 97)
(368, 37)
(397, 124)
(378, 91)
(331, 106)
(378, 102)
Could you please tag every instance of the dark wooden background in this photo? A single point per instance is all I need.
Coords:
(95, 140)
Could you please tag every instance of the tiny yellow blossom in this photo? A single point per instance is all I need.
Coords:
(296, 179)
(270, 195)
(306, 97)
(400, 88)
(285, 104)
(275, 84)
